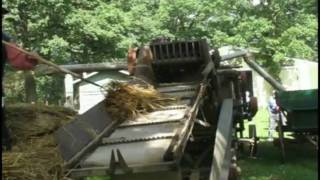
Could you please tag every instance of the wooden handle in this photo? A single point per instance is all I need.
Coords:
(44, 61)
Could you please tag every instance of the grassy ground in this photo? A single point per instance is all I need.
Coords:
(98, 178)
(301, 159)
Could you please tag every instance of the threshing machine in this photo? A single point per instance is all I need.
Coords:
(194, 139)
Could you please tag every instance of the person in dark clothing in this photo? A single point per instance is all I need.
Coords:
(18, 60)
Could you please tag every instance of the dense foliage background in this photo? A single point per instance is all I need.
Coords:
(81, 31)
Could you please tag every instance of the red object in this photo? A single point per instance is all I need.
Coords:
(19, 59)
(132, 60)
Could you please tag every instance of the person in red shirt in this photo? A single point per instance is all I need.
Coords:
(16, 58)
(20, 61)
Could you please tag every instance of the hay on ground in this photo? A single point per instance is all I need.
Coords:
(33, 160)
(34, 155)
(30, 120)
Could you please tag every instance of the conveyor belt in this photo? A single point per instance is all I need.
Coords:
(146, 139)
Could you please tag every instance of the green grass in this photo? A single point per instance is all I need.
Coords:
(301, 158)
(98, 178)
(261, 120)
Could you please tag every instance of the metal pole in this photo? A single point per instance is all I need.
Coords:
(275, 84)
(233, 55)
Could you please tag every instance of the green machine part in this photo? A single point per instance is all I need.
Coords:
(301, 107)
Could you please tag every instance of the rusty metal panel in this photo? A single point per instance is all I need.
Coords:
(74, 136)
(222, 145)
(97, 118)
(71, 138)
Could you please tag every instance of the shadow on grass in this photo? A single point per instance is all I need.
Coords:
(300, 163)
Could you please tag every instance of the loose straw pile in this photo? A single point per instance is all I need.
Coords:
(34, 155)
(36, 159)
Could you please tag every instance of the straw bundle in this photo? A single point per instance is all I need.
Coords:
(126, 101)
(34, 155)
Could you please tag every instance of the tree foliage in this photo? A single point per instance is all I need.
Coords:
(75, 31)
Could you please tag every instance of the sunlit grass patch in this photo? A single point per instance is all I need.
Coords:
(301, 158)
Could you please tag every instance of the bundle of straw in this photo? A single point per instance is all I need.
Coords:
(126, 101)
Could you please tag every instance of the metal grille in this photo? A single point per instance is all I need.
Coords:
(176, 52)
(178, 61)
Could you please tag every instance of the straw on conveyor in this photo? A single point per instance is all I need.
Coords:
(125, 101)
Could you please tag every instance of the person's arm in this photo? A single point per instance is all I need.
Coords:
(270, 105)
(17, 58)
(274, 107)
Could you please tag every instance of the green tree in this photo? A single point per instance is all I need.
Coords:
(69, 32)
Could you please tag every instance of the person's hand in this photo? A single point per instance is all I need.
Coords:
(33, 58)
(20, 59)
